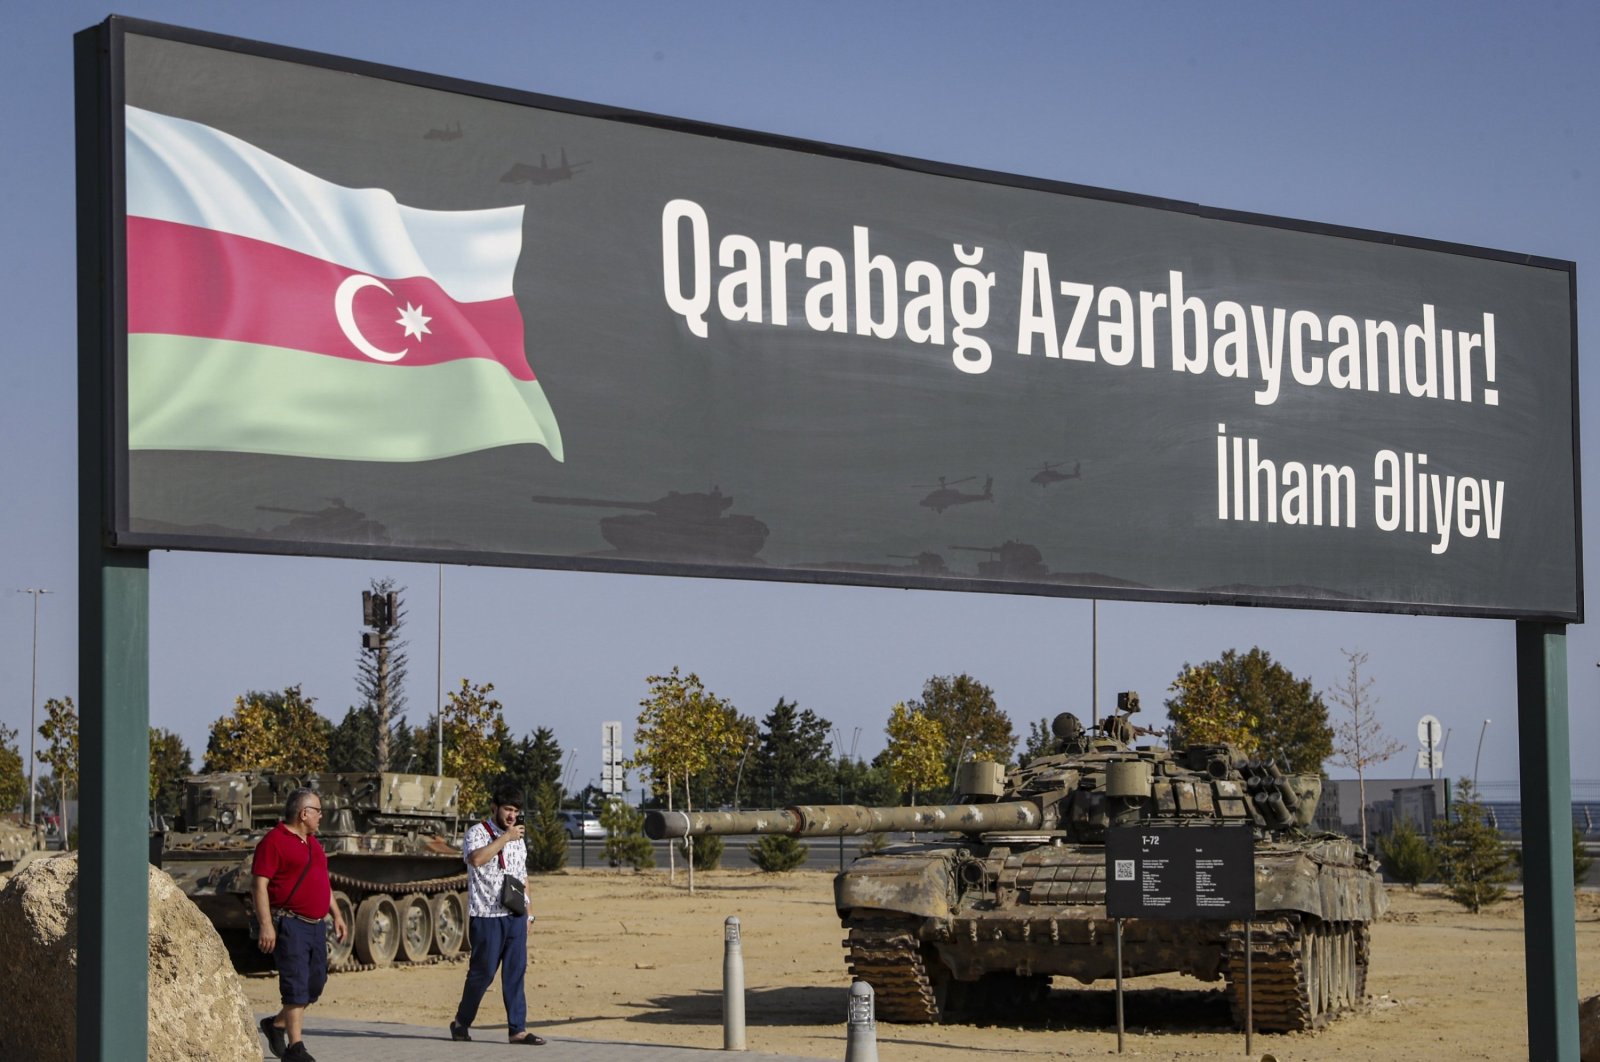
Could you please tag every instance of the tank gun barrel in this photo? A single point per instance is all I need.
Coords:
(845, 820)
(978, 549)
(597, 503)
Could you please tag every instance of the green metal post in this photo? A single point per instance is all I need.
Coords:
(113, 626)
(1549, 928)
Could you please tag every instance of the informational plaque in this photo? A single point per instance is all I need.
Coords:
(1173, 871)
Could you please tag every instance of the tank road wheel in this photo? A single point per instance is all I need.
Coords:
(377, 930)
(416, 927)
(339, 950)
(449, 922)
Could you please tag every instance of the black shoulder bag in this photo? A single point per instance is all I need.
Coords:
(513, 894)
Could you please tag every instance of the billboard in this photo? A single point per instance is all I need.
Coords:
(367, 312)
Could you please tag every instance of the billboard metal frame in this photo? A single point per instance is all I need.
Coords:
(112, 999)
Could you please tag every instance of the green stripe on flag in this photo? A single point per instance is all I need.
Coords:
(206, 394)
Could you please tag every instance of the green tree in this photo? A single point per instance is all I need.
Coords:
(974, 727)
(864, 783)
(547, 841)
(170, 764)
(475, 731)
(1255, 704)
(1581, 859)
(682, 731)
(916, 751)
(793, 764)
(535, 761)
(60, 753)
(1358, 738)
(13, 778)
(270, 732)
(1041, 741)
(381, 670)
(1474, 861)
(775, 853)
(1406, 856)
(626, 844)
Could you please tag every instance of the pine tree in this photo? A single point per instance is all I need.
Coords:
(381, 668)
(793, 762)
(706, 849)
(547, 841)
(626, 844)
(1474, 861)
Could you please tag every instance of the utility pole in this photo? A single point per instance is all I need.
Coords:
(33, 716)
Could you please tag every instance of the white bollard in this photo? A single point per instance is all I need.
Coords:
(861, 1028)
(732, 988)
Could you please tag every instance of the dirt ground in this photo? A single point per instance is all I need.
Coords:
(630, 956)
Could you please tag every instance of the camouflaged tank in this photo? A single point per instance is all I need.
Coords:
(394, 857)
(976, 924)
(17, 844)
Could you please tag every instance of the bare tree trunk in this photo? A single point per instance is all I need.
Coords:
(688, 806)
(672, 847)
(1361, 782)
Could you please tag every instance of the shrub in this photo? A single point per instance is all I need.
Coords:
(626, 844)
(777, 852)
(1406, 856)
(707, 851)
(873, 843)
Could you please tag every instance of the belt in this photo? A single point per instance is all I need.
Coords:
(282, 913)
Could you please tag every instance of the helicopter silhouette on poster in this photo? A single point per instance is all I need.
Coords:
(945, 495)
(1047, 473)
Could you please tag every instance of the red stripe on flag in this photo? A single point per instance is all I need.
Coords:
(189, 281)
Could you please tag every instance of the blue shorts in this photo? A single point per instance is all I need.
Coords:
(302, 958)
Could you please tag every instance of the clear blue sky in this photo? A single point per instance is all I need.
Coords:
(1472, 123)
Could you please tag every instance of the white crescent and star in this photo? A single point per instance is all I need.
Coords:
(411, 318)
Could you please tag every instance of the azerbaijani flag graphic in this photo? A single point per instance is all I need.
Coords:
(273, 312)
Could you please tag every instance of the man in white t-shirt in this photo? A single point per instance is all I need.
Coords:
(494, 850)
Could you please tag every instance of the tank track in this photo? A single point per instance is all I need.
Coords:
(1304, 971)
(398, 888)
(885, 953)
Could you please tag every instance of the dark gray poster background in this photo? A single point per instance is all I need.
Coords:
(833, 442)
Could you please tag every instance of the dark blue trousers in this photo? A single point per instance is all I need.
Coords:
(496, 943)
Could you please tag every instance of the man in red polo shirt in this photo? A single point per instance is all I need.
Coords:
(292, 897)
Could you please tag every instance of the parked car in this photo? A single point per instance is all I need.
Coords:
(582, 825)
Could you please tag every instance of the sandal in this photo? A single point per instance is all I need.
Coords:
(531, 1039)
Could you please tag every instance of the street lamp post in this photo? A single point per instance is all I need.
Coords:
(1479, 755)
(739, 775)
(33, 701)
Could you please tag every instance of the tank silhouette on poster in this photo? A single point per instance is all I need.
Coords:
(997, 893)
(1011, 560)
(335, 522)
(676, 526)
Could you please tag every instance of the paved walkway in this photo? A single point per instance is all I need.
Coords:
(338, 1040)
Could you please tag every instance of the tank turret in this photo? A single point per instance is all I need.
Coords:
(1006, 888)
(394, 857)
(692, 525)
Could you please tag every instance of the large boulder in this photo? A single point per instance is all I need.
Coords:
(1589, 1029)
(198, 1008)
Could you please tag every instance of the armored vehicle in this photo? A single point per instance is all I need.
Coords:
(17, 844)
(1012, 889)
(394, 856)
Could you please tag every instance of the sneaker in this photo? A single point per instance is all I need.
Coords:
(458, 1032)
(277, 1039)
(297, 1052)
